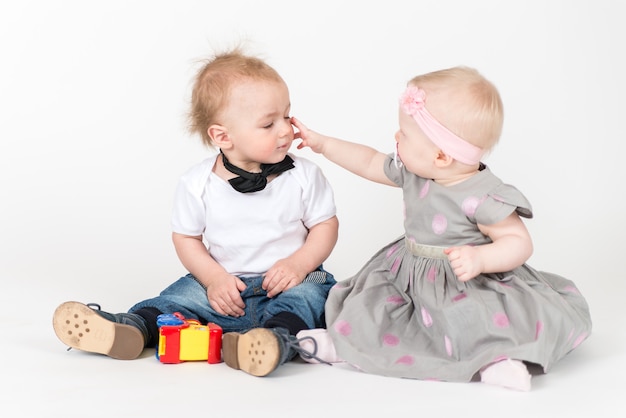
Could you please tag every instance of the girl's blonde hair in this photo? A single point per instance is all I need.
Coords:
(465, 102)
(213, 83)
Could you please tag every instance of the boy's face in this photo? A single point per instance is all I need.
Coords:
(258, 123)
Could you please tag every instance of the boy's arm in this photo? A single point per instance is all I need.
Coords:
(291, 271)
(360, 159)
(318, 245)
(223, 289)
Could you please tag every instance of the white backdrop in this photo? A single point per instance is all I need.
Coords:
(93, 98)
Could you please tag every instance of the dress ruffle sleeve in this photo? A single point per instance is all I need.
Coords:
(500, 202)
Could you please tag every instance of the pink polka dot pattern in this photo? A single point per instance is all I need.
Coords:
(579, 340)
(432, 274)
(459, 297)
(391, 340)
(439, 224)
(538, 329)
(424, 190)
(343, 327)
(426, 318)
(395, 299)
(500, 320)
(571, 289)
(392, 250)
(448, 344)
(469, 205)
(406, 360)
(396, 265)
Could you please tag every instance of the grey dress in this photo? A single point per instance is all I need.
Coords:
(405, 313)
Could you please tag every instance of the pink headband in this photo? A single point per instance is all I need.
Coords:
(412, 103)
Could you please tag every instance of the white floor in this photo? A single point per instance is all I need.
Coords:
(41, 379)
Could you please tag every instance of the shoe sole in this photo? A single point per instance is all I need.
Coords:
(256, 352)
(80, 327)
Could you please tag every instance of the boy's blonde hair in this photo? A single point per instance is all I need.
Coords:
(213, 83)
(465, 102)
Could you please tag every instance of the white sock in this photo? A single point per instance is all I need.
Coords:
(325, 346)
(511, 374)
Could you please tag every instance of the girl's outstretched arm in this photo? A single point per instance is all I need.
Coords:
(360, 159)
(511, 247)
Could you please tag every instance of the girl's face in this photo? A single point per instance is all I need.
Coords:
(415, 150)
(258, 123)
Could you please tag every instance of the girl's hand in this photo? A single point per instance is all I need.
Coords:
(359, 159)
(309, 138)
(466, 261)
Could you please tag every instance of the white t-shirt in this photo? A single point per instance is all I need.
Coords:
(248, 232)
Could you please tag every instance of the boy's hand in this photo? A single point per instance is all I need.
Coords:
(224, 295)
(309, 138)
(465, 261)
(282, 276)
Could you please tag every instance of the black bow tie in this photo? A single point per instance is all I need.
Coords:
(248, 182)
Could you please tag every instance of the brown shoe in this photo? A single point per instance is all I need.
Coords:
(261, 350)
(83, 328)
(257, 352)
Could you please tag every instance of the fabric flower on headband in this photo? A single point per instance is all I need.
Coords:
(412, 100)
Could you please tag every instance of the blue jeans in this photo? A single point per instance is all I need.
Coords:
(189, 297)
